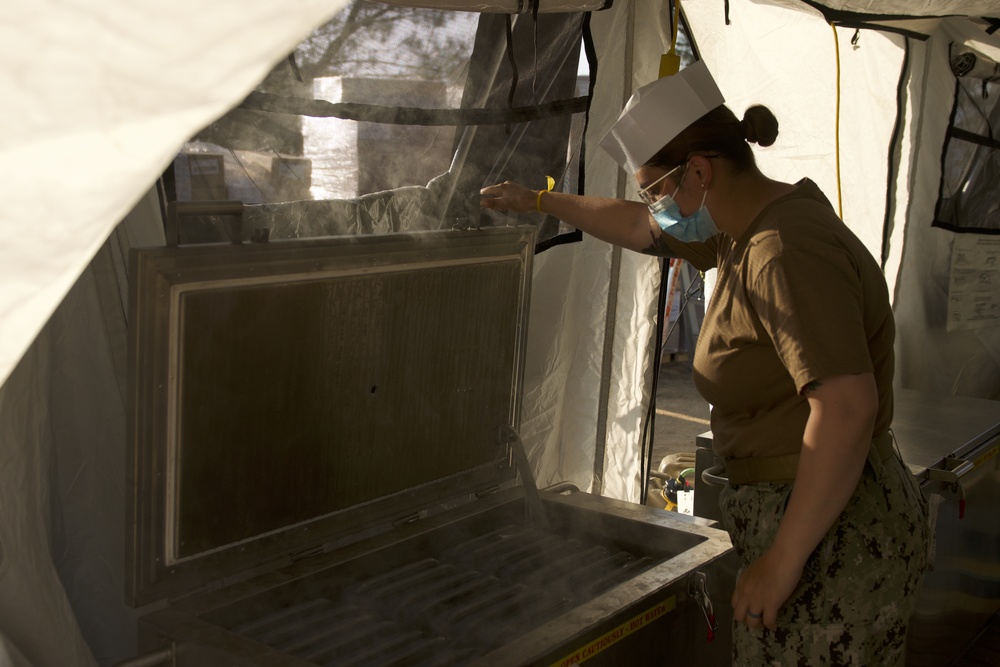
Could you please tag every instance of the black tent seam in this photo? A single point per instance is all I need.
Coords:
(839, 16)
(534, 38)
(958, 229)
(559, 239)
(861, 25)
(374, 113)
(513, 70)
(894, 141)
(648, 437)
(590, 52)
(944, 146)
(973, 138)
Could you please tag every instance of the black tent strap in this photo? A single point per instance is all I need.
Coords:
(883, 27)
(965, 229)
(559, 239)
(509, 22)
(974, 138)
(873, 21)
(590, 51)
(894, 153)
(842, 16)
(373, 113)
(534, 42)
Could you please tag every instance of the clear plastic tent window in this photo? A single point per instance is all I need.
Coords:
(391, 119)
(969, 199)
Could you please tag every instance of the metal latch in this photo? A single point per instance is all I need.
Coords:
(952, 473)
(699, 591)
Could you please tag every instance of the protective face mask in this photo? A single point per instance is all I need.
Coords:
(698, 226)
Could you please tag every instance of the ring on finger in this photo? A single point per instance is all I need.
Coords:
(754, 616)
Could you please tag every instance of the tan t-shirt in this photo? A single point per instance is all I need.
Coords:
(799, 298)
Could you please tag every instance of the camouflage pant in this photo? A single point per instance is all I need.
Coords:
(858, 588)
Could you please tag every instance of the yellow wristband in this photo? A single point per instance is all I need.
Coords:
(549, 181)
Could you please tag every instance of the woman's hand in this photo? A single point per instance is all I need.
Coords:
(509, 196)
(762, 588)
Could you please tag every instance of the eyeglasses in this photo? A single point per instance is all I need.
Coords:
(649, 199)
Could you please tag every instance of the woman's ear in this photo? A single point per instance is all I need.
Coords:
(702, 168)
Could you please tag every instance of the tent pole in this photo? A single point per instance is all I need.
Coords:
(611, 311)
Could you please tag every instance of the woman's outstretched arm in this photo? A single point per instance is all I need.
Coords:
(623, 223)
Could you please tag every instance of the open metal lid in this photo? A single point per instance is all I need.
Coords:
(295, 393)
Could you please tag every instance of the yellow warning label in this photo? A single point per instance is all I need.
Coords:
(987, 456)
(612, 637)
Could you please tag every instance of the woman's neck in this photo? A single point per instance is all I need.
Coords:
(744, 197)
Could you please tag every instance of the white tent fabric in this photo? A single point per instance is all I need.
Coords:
(97, 98)
(108, 94)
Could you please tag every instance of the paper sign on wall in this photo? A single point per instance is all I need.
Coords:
(974, 284)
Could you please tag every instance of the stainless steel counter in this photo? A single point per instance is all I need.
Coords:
(951, 444)
(930, 427)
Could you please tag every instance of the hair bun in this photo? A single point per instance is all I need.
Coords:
(759, 125)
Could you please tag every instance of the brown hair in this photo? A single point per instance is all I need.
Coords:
(719, 131)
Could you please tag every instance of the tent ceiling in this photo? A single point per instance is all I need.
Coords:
(914, 19)
(900, 9)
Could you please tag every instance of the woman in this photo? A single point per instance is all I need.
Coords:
(796, 357)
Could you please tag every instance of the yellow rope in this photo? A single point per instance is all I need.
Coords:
(840, 199)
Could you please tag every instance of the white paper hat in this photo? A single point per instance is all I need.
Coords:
(658, 112)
